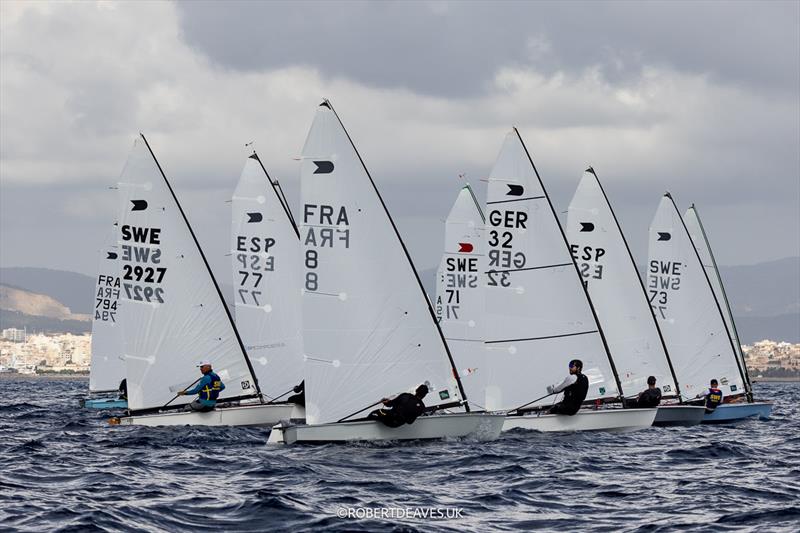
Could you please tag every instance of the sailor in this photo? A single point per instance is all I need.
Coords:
(123, 389)
(207, 389)
(299, 396)
(575, 386)
(403, 409)
(650, 397)
(713, 397)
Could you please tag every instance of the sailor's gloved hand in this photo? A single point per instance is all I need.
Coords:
(181, 392)
(549, 389)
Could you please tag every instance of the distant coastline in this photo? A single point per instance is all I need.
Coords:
(787, 379)
(59, 377)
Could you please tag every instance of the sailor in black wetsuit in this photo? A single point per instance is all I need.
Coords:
(299, 396)
(575, 386)
(649, 397)
(404, 408)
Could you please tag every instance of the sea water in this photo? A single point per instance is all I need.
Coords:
(63, 468)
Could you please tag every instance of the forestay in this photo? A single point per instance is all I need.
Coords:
(538, 315)
(610, 275)
(460, 290)
(173, 311)
(698, 235)
(368, 328)
(108, 366)
(265, 253)
(686, 308)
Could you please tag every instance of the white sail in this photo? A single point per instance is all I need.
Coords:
(108, 366)
(173, 312)
(686, 309)
(265, 253)
(692, 220)
(368, 328)
(538, 316)
(460, 290)
(609, 272)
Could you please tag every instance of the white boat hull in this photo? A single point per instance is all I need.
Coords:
(241, 415)
(480, 426)
(615, 420)
(679, 415)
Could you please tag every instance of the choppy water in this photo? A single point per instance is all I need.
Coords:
(63, 468)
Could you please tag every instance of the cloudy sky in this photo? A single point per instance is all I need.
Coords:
(700, 99)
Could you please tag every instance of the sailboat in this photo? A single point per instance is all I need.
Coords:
(610, 275)
(369, 330)
(265, 253)
(460, 291)
(690, 316)
(727, 411)
(174, 312)
(107, 364)
(538, 313)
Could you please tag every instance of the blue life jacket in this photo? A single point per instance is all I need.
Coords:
(210, 390)
(713, 399)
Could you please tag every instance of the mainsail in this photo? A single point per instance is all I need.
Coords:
(688, 313)
(368, 328)
(265, 252)
(698, 234)
(539, 315)
(108, 366)
(172, 308)
(460, 290)
(610, 275)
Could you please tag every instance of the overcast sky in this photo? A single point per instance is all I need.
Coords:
(700, 99)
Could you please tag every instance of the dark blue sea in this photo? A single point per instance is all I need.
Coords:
(63, 468)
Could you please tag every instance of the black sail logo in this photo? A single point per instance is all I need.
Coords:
(323, 167)
(664, 236)
(112, 255)
(587, 226)
(514, 190)
(139, 205)
(254, 217)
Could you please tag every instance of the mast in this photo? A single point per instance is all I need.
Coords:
(735, 335)
(477, 204)
(575, 265)
(461, 390)
(210, 273)
(710, 288)
(276, 187)
(641, 283)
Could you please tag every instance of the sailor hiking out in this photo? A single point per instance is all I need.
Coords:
(575, 386)
(403, 409)
(207, 389)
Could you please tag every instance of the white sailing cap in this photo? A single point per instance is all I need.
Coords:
(204, 362)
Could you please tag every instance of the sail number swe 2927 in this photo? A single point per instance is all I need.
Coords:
(141, 273)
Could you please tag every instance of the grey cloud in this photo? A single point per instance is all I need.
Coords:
(454, 49)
